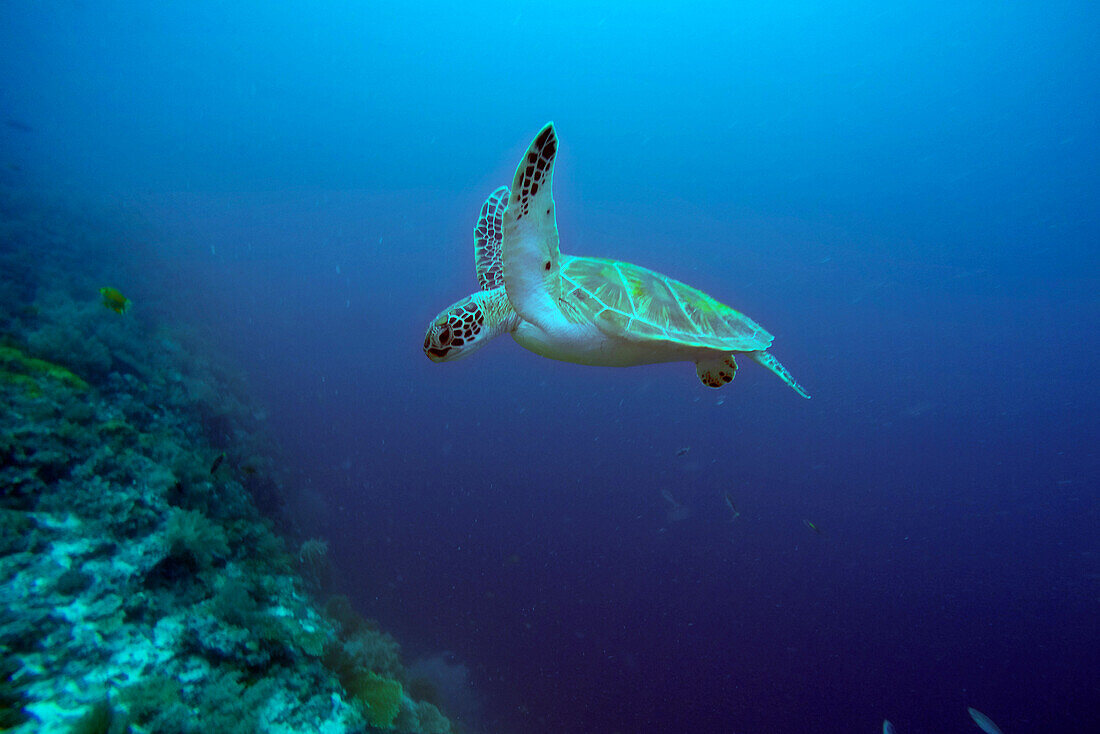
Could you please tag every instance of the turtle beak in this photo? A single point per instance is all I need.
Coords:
(434, 347)
(434, 353)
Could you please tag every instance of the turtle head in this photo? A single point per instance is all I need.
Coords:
(467, 325)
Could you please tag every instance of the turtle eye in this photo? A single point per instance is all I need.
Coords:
(445, 335)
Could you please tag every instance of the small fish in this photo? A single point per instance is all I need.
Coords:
(811, 526)
(733, 508)
(114, 300)
(678, 512)
(217, 462)
(984, 722)
(683, 450)
(887, 727)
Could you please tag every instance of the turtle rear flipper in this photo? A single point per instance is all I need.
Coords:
(717, 371)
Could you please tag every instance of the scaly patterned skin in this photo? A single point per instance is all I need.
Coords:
(464, 327)
(467, 325)
(487, 238)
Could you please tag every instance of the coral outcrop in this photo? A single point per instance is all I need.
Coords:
(140, 590)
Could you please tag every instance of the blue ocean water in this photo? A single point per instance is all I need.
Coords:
(905, 194)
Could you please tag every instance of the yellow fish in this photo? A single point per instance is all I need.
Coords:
(114, 300)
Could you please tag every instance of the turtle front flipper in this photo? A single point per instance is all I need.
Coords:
(530, 243)
(487, 238)
(766, 360)
(717, 371)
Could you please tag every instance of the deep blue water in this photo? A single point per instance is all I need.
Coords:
(905, 194)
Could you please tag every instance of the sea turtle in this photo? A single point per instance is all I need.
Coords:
(586, 310)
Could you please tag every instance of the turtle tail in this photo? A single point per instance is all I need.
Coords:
(766, 360)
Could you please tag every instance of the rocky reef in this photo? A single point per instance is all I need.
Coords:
(143, 589)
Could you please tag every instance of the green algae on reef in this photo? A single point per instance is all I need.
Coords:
(28, 372)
